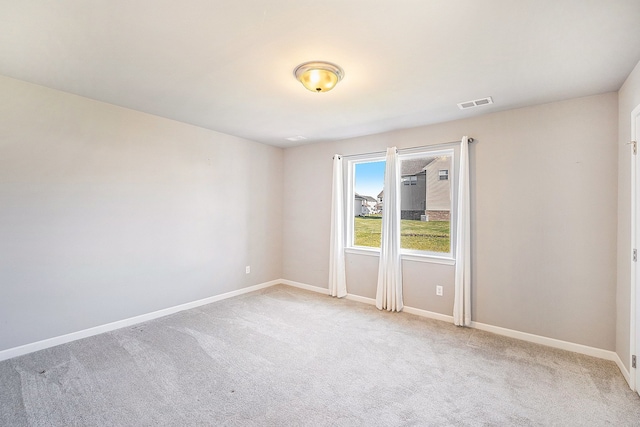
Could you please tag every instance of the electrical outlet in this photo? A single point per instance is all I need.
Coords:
(248, 269)
(439, 291)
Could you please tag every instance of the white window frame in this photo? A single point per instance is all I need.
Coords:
(406, 254)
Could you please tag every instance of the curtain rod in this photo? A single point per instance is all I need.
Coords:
(443, 144)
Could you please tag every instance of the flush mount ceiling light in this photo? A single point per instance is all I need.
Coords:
(318, 76)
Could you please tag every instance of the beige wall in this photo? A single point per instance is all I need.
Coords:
(543, 222)
(628, 99)
(107, 213)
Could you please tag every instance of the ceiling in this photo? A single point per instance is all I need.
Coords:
(228, 65)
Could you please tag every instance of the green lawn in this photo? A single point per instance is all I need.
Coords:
(430, 236)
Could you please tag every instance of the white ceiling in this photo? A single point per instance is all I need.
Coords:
(228, 65)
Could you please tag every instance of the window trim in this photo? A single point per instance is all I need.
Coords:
(406, 254)
(414, 257)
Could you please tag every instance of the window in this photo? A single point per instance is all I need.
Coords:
(425, 202)
(409, 180)
(367, 188)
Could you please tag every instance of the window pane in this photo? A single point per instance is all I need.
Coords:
(426, 203)
(367, 206)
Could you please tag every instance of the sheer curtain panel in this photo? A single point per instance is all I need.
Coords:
(462, 289)
(389, 292)
(337, 276)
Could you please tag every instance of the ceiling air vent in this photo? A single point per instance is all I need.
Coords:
(475, 103)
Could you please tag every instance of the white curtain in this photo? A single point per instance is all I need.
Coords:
(462, 289)
(337, 276)
(389, 293)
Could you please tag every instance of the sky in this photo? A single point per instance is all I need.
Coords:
(369, 178)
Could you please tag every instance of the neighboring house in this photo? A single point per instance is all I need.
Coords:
(364, 205)
(426, 189)
(438, 200)
(371, 204)
(360, 207)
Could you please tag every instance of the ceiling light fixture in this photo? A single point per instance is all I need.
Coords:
(318, 76)
(296, 138)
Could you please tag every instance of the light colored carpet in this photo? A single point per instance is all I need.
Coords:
(287, 357)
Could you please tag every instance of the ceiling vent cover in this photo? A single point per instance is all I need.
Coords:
(475, 103)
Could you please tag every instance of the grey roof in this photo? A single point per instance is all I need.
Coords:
(415, 166)
(367, 198)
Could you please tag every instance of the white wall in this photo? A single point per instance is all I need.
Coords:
(543, 221)
(108, 213)
(629, 98)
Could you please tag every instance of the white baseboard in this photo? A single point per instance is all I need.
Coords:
(623, 369)
(358, 298)
(304, 286)
(410, 310)
(549, 342)
(428, 314)
(559, 344)
(370, 301)
(63, 339)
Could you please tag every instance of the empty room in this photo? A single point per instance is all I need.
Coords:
(338, 213)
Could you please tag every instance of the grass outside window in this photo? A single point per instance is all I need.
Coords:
(431, 236)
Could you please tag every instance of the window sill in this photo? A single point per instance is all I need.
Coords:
(431, 259)
(362, 251)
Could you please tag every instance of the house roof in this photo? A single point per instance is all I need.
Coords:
(370, 199)
(415, 166)
(367, 198)
(228, 65)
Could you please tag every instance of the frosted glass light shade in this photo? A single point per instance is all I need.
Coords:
(318, 76)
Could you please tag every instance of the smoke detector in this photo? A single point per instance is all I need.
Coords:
(475, 103)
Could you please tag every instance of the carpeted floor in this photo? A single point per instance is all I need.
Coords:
(288, 357)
